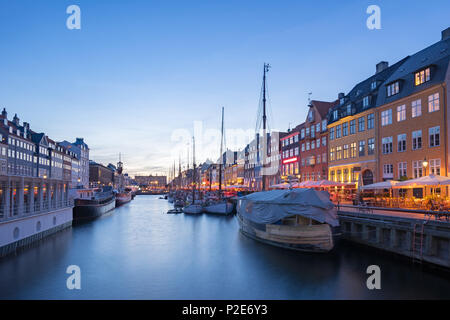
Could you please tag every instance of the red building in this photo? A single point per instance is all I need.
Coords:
(290, 153)
(313, 142)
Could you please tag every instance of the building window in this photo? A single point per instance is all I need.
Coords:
(338, 153)
(434, 134)
(332, 133)
(324, 125)
(353, 149)
(324, 157)
(307, 132)
(338, 131)
(433, 102)
(318, 127)
(393, 89)
(366, 102)
(401, 142)
(349, 110)
(296, 151)
(345, 129)
(352, 126)
(313, 145)
(335, 114)
(324, 141)
(422, 76)
(435, 166)
(401, 113)
(386, 117)
(296, 138)
(346, 154)
(417, 140)
(302, 134)
(332, 176)
(388, 171)
(332, 154)
(417, 169)
(318, 143)
(370, 121)
(416, 108)
(307, 146)
(361, 124)
(313, 134)
(402, 169)
(373, 85)
(303, 147)
(387, 145)
(362, 148)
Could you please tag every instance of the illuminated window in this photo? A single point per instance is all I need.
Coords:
(353, 150)
(422, 76)
(401, 113)
(346, 153)
(338, 153)
(433, 102)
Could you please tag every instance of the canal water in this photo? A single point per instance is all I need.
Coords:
(140, 252)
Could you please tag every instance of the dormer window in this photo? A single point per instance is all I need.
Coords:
(373, 85)
(341, 101)
(366, 102)
(422, 76)
(393, 88)
(349, 109)
(10, 130)
(335, 115)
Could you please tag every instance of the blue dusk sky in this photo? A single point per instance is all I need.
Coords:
(140, 73)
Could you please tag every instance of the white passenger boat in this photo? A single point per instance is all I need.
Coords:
(299, 219)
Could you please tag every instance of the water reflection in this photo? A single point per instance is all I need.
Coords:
(139, 252)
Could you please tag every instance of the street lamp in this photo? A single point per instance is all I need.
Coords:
(425, 165)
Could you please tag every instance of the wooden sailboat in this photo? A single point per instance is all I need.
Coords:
(221, 207)
(299, 219)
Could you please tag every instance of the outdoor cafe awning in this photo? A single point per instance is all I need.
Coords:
(431, 180)
(380, 185)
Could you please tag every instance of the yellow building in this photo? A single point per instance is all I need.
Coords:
(352, 152)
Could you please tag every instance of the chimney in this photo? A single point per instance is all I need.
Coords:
(16, 120)
(446, 34)
(4, 113)
(383, 65)
(26, 127)
(341, 95)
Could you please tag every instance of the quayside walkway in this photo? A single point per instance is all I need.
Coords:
(423, 236)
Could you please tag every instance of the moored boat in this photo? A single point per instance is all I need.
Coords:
(299, 219)
(93, 203)
(221, 208)
(123, 197)
(193, 209)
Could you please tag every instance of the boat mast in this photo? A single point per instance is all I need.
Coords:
(221, 157)
(193, 174)
(264, 149)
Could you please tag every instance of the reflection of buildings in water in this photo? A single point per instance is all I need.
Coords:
(33, 262)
